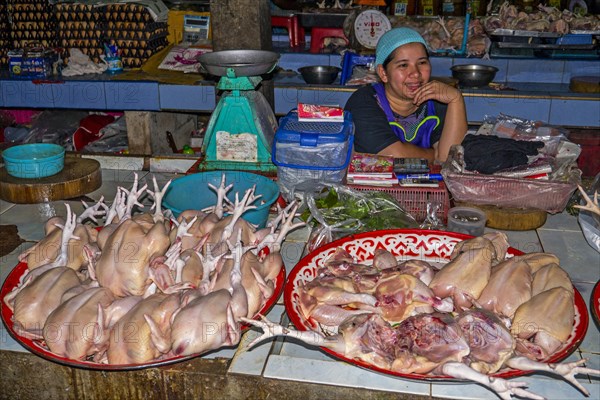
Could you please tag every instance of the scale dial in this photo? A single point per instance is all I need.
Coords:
(369, 26)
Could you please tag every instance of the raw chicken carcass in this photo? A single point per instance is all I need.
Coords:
(400, 296)
(465, 277)
(124, 264)
(143, 333)
(36, 300)
(490, 342)
(426, 341)
(71, 330)
(544, 322)
(549, 277)
(207, 322)
(509, 287)
(47, 250)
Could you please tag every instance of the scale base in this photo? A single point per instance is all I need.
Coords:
(240, 133)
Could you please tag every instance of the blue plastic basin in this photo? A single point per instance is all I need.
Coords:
(34, 160)
(191, 192)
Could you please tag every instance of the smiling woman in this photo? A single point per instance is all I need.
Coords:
(407, 114)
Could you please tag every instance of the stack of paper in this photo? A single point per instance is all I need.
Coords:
(371, 170)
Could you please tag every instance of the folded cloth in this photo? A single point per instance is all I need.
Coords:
(489, 154)
(80, 64)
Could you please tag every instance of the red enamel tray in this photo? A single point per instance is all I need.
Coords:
(37, 348)
(431, 246)
(595, 302)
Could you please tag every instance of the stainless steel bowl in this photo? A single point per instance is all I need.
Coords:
(319, 74)
(474, 75)
(241, 62)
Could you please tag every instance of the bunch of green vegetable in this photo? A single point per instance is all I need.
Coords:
(359, 211)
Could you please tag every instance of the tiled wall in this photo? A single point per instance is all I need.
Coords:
(538, 70)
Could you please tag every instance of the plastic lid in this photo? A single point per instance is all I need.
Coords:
(313, 133)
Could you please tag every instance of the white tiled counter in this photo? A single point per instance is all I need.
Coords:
(285, 362)
(561, 235)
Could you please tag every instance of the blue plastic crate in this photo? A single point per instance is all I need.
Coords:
(573, 39)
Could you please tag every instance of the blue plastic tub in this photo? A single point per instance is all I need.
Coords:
(34, 160)
(191, 192)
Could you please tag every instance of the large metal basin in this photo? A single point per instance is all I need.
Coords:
(242, 62)
(474, 75)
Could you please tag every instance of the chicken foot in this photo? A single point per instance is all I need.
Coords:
(590, 205)
(117, 208)
(183, 227)
(270, 239)
(68, 233)
(239, 208)
(271, 329)
(565, 370)
(503, 388)
(97, 210)
(158, 195)
(133, 197)
(221, 196)
(273, 240)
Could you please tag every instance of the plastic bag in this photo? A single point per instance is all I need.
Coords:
(517, 128)
(432, 221)
(55, 126)
(501, 191)
(590, 222)
(338, 211)
(113, 139)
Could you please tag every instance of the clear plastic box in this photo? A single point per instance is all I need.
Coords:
(309, 154)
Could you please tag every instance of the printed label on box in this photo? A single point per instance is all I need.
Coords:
(241, 147)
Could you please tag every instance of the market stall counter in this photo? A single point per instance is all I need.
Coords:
(283, 368)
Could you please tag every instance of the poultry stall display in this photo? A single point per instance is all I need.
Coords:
(435, 305)
(145, 289)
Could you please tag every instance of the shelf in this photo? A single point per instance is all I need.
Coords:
(534, 93)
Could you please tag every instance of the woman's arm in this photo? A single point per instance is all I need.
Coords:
(455, 123)
(400, 149)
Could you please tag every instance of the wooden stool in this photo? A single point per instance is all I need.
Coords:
(290, 22)
(318, 34)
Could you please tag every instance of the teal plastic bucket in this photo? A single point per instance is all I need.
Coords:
(191, 192)
(34, 160)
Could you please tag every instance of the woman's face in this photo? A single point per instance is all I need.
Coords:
(408, 70)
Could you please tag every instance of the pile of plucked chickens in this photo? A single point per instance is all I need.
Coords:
(545, 19)
(447, 34)
(146, 286)
(479, 314)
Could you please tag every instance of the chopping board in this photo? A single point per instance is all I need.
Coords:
(511, 219)
(585, 84)
(78, 177)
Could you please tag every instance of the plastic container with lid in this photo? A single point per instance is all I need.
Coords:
(467, 220)
(309, 154)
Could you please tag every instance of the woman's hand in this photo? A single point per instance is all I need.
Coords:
(436, 90)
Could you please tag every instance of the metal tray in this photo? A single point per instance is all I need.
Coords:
(242, 62)
(520, 33)
(518, 39)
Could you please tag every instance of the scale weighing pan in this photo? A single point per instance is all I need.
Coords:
(243, 62)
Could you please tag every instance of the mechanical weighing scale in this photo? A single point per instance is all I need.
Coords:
(364, 28)
(240, 131)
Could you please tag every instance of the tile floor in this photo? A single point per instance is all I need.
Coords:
(289, 360)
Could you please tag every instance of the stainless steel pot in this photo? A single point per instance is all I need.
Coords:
(474, 75)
